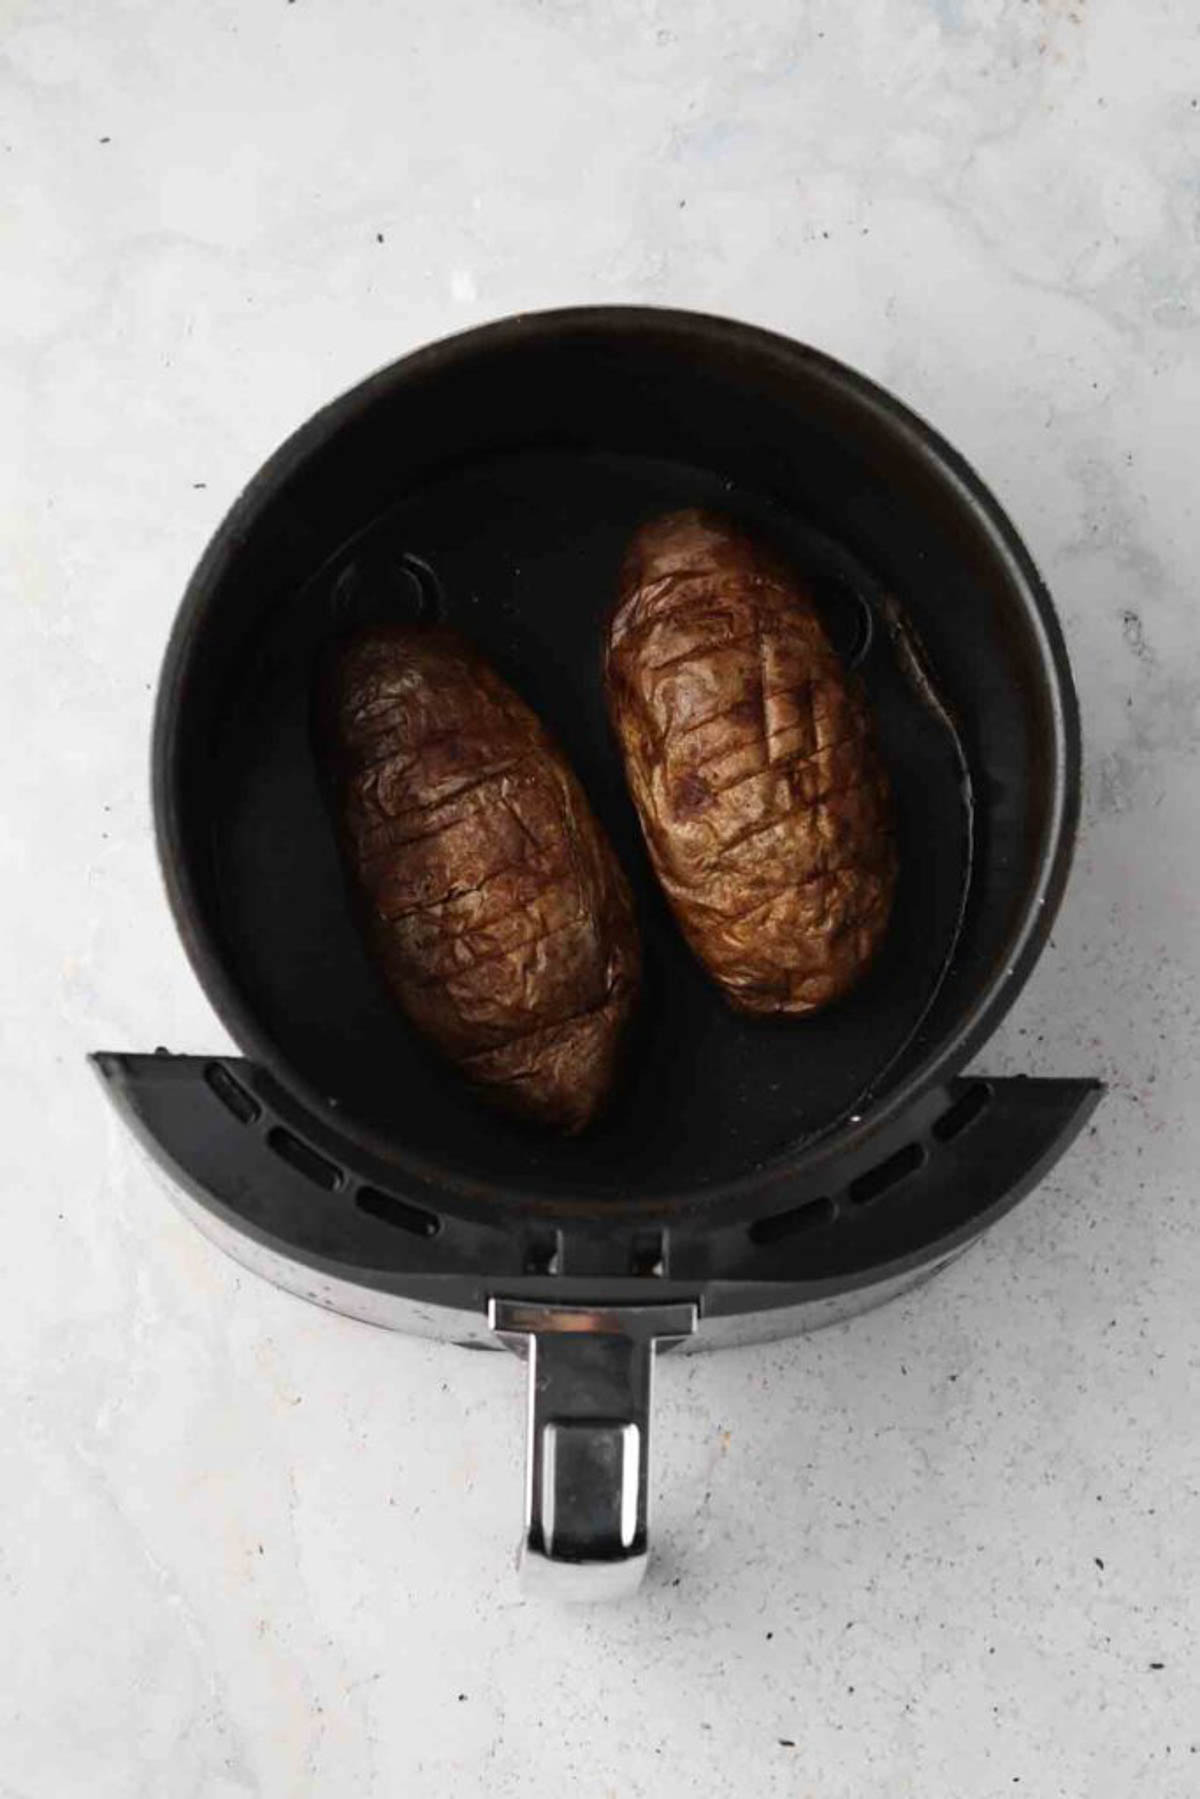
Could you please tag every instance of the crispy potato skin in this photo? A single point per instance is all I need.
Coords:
(750, 755)
(495, 906)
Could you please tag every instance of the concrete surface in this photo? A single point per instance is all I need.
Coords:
(246, 1549)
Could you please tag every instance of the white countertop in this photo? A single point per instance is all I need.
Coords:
(247, 1549)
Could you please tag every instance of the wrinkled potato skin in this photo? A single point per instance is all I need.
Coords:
(750, 755)
(495, 906)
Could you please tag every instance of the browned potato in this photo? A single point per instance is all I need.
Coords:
(495, 906)
(752, 762)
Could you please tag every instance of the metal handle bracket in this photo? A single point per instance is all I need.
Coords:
(588, 1453)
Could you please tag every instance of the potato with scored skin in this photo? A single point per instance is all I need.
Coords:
(495, 906)
(752, 762)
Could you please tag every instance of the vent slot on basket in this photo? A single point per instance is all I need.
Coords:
(962, 1114)
(810, 1216)
(397, 1212)
(886, 1175)
(305, 1159)
(232, 1095)
(543, 1253)
(648, 1255)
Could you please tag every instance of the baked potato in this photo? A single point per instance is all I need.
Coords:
(750, 754)
(494, 904)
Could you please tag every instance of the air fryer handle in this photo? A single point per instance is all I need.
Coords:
(588, 1455)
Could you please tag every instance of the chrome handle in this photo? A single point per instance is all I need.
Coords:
(591, 1371)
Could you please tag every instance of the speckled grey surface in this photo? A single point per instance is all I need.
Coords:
(949, 1550)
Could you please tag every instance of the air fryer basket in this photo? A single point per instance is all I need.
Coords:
(746, 1166)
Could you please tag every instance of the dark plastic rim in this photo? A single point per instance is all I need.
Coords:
(925, 445)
